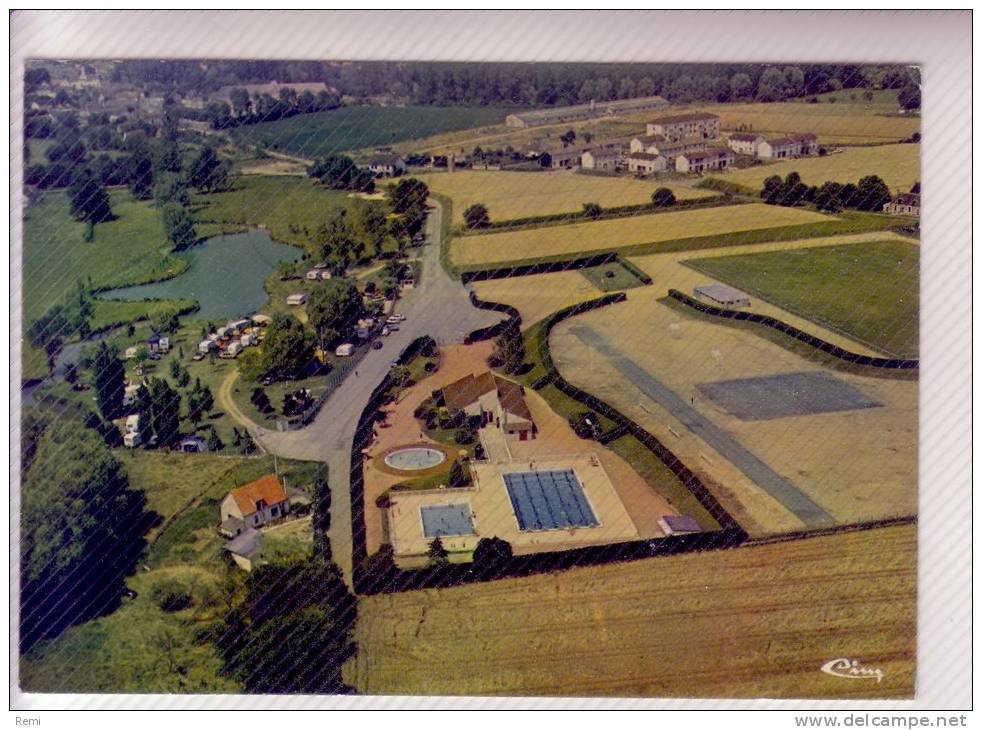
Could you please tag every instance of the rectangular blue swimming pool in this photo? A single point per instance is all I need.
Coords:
(549, 500)
(449, 520)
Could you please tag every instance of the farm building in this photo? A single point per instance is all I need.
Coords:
(794, 145)
(565, 158)
(387, 164)
(246, 547)
(723, 295)
(295, 300)
(678, 525)
(645, 163)
(593, 110)
(600, 159)
(904, 204)
(713, 158)
(257, 503)
(494, 400)
(676, 127)
(744, 143)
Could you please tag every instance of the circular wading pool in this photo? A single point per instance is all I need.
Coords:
(414, 458)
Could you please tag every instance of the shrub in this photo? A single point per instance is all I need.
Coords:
(463, 436)
(171, 595)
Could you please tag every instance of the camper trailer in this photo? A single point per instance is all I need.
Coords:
(345, 350)
(232, 351)
(295, 300)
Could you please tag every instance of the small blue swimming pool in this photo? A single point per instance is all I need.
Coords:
(451, 520)
(549, 500)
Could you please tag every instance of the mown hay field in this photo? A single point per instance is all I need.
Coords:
(749, 622)
(899, 165)
(509, 195)
(617, 233)
(870, 291)
(837, 123)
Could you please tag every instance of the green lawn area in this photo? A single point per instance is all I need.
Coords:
(291, 208)
(612, 277)
(131, 249)
(139, 647)
(352, 128)
(109, 312)
(868, 291)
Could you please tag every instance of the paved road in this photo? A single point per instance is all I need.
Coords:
(766, 478)
(438, 307)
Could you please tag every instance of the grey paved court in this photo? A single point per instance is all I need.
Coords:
(780, 488)
(788, 394)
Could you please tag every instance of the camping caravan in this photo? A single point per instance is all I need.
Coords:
(238, 326)
(133, 423)
(247, 340)
(261, 320)
(345, 350)
(295, 300)
(132, 439)
(313, 275)
(232, 351)
(206, 346)
(130, 394)
(325, 274)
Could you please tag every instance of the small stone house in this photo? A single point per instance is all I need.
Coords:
(793, 145)
(387, 164)
(744, 143)
(904, 204)
(600, 159)
(714, 158)
(255, 504)
(645, 163)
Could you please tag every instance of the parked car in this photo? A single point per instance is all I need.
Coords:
(385, 331)
(377, 345)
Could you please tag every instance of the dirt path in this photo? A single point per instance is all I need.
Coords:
(227, 403)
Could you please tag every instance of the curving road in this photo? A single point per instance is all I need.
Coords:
(439, 307)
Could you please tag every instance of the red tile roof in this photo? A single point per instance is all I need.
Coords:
(267, 490)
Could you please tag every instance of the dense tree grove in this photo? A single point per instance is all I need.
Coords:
(512, 84)
(477, 216)
(869, 194)
(339, 172)
(289, 629)
(89, 199)
(333, 308)
(287, 349)
(82, 531)
(109, 379)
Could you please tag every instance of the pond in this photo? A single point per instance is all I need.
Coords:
(225, 275)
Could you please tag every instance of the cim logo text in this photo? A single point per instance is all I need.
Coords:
(851, 669)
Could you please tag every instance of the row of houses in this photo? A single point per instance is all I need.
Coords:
(777, 148)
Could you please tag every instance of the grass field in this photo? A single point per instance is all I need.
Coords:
(869, 291)
(899, 166)
(852, 123)
(139, 648)
(352, 128)
(624, 232)
(510, 195)
(130, 249)
(846, 121)
(291, 208)
(750, 622)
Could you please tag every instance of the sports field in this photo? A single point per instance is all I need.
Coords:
(509, 195)
(605, 235)
(852, 465)
(899, 165)
(352, 128)
(748, 622)
(869, 291)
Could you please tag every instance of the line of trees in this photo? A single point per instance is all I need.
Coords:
(513, 84)
(243, 108)
(869, 194)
